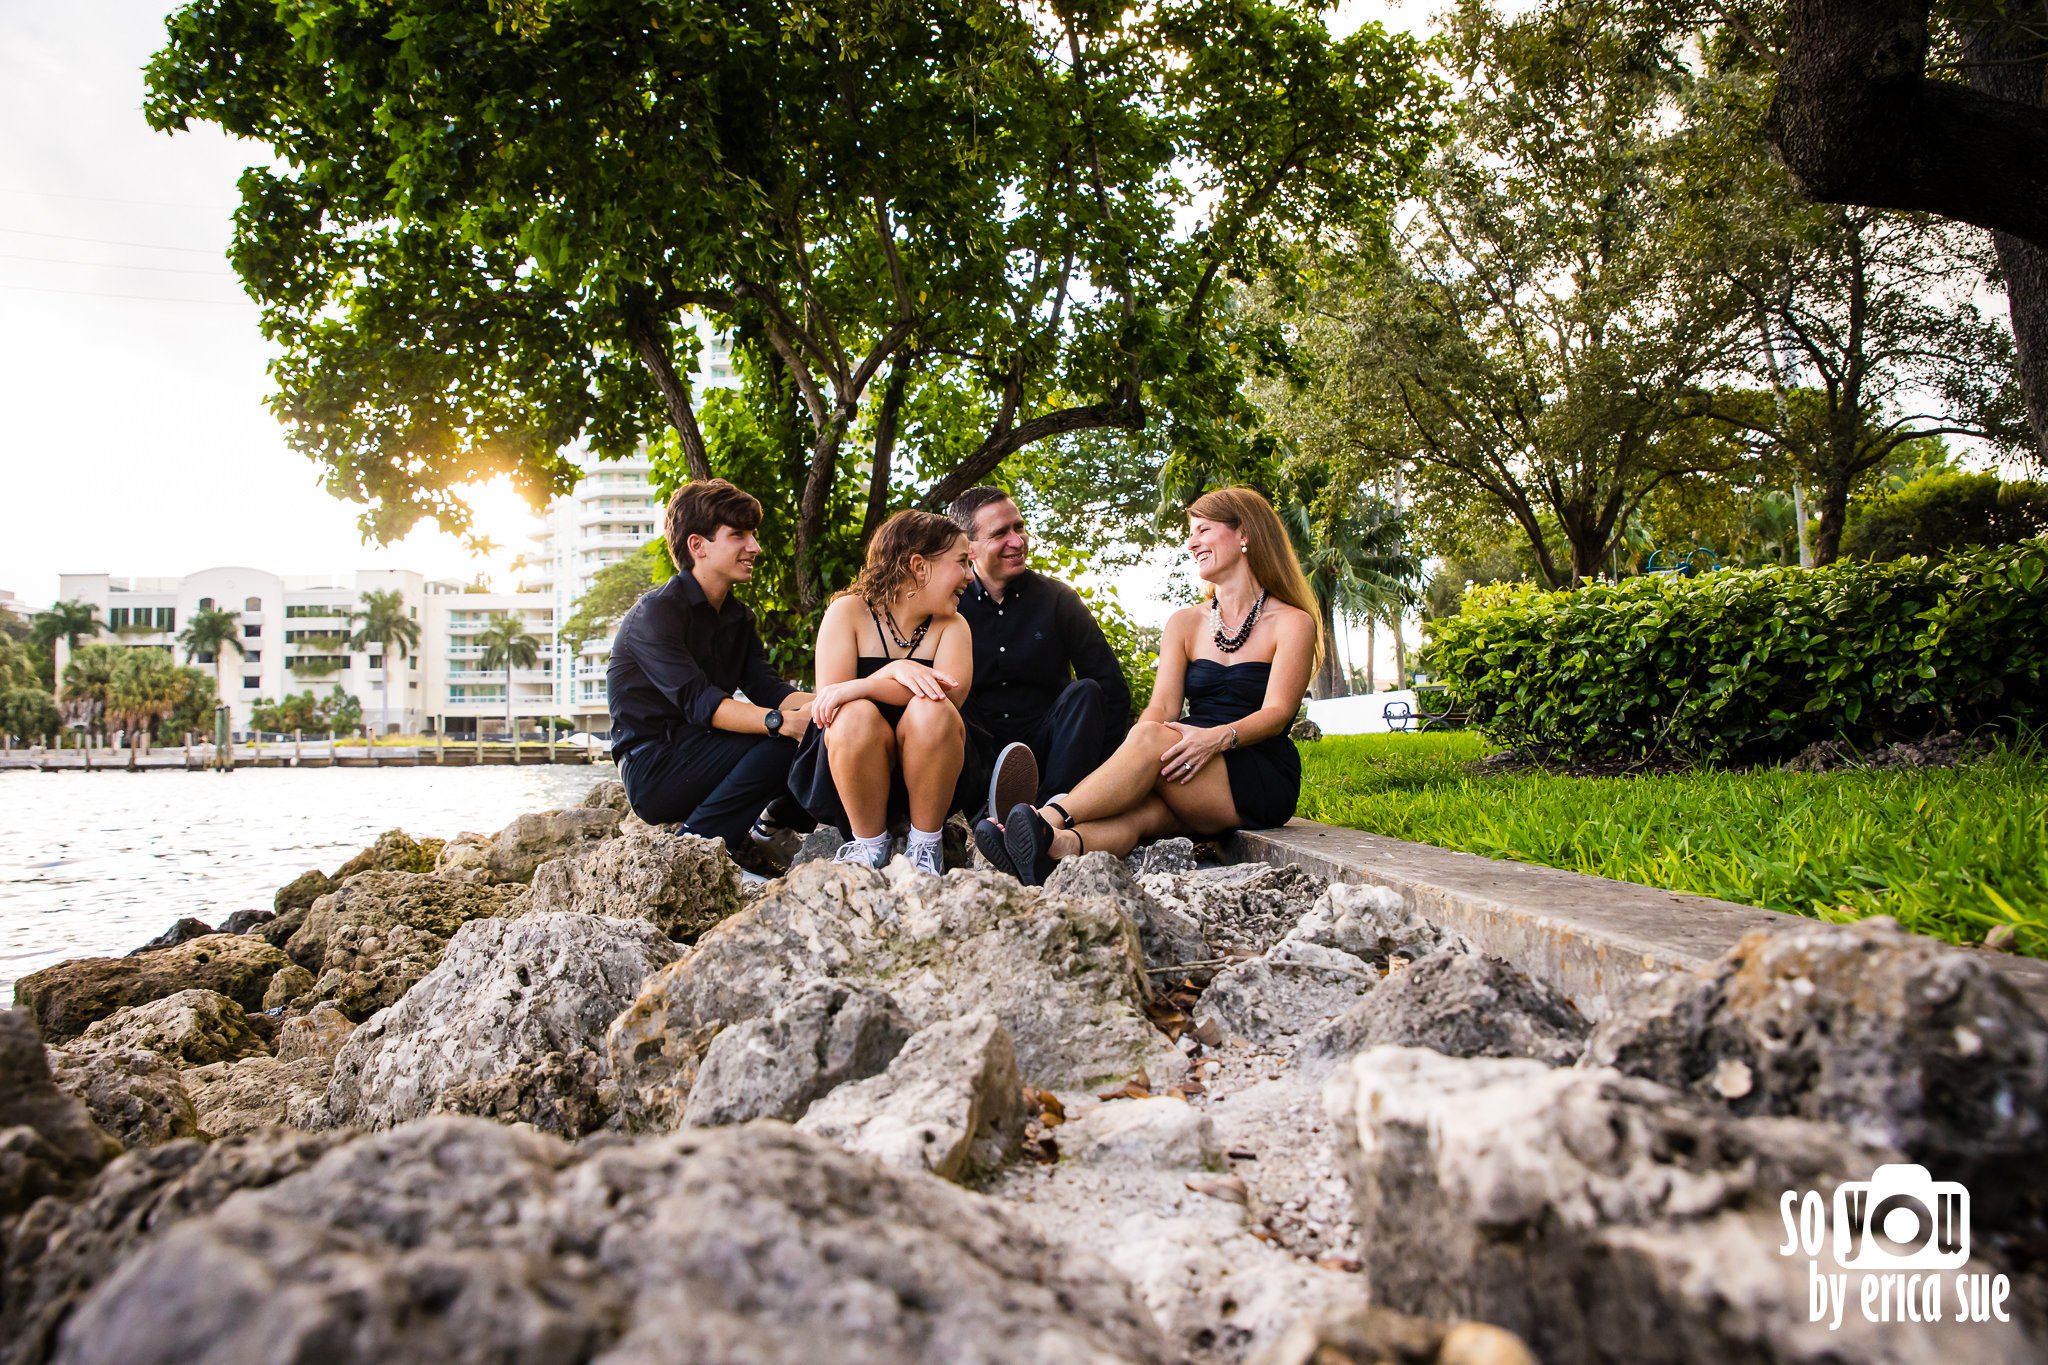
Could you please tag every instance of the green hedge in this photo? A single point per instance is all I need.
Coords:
(1746, 664)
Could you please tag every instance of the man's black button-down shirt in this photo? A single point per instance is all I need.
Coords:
(1027, 647)
(676, 658)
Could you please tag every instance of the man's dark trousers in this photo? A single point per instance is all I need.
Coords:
(1070, 741)
(714, 781)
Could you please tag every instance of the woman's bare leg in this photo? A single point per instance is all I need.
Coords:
(932, 740)
(1117, 834)
(1125, 778)
(860, 749)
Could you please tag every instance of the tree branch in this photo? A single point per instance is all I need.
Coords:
(1122, 411)
(645, 335)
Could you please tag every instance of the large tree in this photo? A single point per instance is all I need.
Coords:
(1530, 339)
(489, 229)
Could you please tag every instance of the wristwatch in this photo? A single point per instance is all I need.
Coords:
(772, 722)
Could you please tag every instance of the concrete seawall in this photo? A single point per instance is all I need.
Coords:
(1589, 937)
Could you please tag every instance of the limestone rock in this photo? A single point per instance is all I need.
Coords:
(1168, 937)
(232, 1098)
(633, 824)
(68, 998)
(382, 931)
(1295, 988)
(1503, 1190)
(135, 1095)
(951, 1101)
(394, 851)
(507, 994)
(1161, 1132)
(246, 921)
(1062, 975)
(319, 1032)
(300, 892)
(818, 846)
(608, 794)
(1366, 1334)
(191, 1028)
(1371, 922)
(291, 982)
(773, 1067)
(48, 1142)
(465, 858)
(1176, 856)
(1241, 907)
(456, 1240)
(531, 840)
(59, 1250)
(1899, 1038)
(682, 885)
(556, 1092)
(1462, 1005)
(184, 931)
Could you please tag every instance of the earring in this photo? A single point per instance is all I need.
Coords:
(1244, 549)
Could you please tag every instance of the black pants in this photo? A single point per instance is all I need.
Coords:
(1070, 741)
(714, 781)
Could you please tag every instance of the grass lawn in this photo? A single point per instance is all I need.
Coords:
(1946, 852)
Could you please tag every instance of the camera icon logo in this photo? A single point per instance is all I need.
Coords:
(1902, 1218)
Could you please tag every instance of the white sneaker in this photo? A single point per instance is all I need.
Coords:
(928, 858)
(854, 851)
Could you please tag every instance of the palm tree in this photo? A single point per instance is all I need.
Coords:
(144, 687)
(508, 646)
(1353, 545)
(213, 630)
(66, 621)
(87, 685)
(385, 622)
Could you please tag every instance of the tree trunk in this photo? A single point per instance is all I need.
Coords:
(1400, 649)
(1330, 679)
(1858, 122)
(2012, 59)
(1834, 509)
(1372, 648)
(885, 450)
(810, 522)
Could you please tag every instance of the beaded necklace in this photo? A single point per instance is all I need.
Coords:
(916, 636)
(1231, 642)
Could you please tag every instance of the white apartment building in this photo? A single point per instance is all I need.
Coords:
(294, 639)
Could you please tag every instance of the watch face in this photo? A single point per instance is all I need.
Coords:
(773, 722)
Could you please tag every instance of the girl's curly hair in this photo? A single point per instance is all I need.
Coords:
(901, 536)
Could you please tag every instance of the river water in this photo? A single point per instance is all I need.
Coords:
(95, 864)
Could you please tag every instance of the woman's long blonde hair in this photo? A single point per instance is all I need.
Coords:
(1267, 547)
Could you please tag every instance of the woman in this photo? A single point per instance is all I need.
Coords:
(1241, 662)
(894, 662)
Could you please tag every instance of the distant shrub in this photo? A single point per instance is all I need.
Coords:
(1946, 511)
(1755, 663)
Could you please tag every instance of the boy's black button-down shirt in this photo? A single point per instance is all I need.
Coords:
(676, 658)
(1027, 647)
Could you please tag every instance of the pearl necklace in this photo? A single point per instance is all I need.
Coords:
(1231, 642)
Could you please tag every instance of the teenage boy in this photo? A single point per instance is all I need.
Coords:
(1045, 678)
(687, 748)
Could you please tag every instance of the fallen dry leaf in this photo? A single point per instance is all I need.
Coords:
(1225, 1187)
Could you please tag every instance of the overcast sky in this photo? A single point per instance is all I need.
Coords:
(132, 376)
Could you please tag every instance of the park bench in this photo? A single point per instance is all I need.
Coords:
(1398, 715)
(1450, 714)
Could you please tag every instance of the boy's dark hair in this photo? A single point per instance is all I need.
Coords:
(963, 508)
(699, 508)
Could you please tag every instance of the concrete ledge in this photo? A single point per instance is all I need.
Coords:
(1588, 937)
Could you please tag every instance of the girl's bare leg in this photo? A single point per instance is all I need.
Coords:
(932, 740)
(1125, 778)
(860, 749)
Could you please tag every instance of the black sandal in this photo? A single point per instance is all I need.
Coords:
(988, 837)
(1028, 839)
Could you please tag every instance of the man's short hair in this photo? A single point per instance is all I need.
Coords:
(699, 508)
(964, 507)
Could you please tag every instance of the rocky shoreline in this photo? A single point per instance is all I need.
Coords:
(575, 1092)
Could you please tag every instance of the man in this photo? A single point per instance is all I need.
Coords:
(1044, 676)
(687, 748)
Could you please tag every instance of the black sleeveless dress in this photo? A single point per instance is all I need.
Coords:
(810, 775)
(1265, 778)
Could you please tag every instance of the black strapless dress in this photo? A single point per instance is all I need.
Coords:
(810, 775)
(1265, 778)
